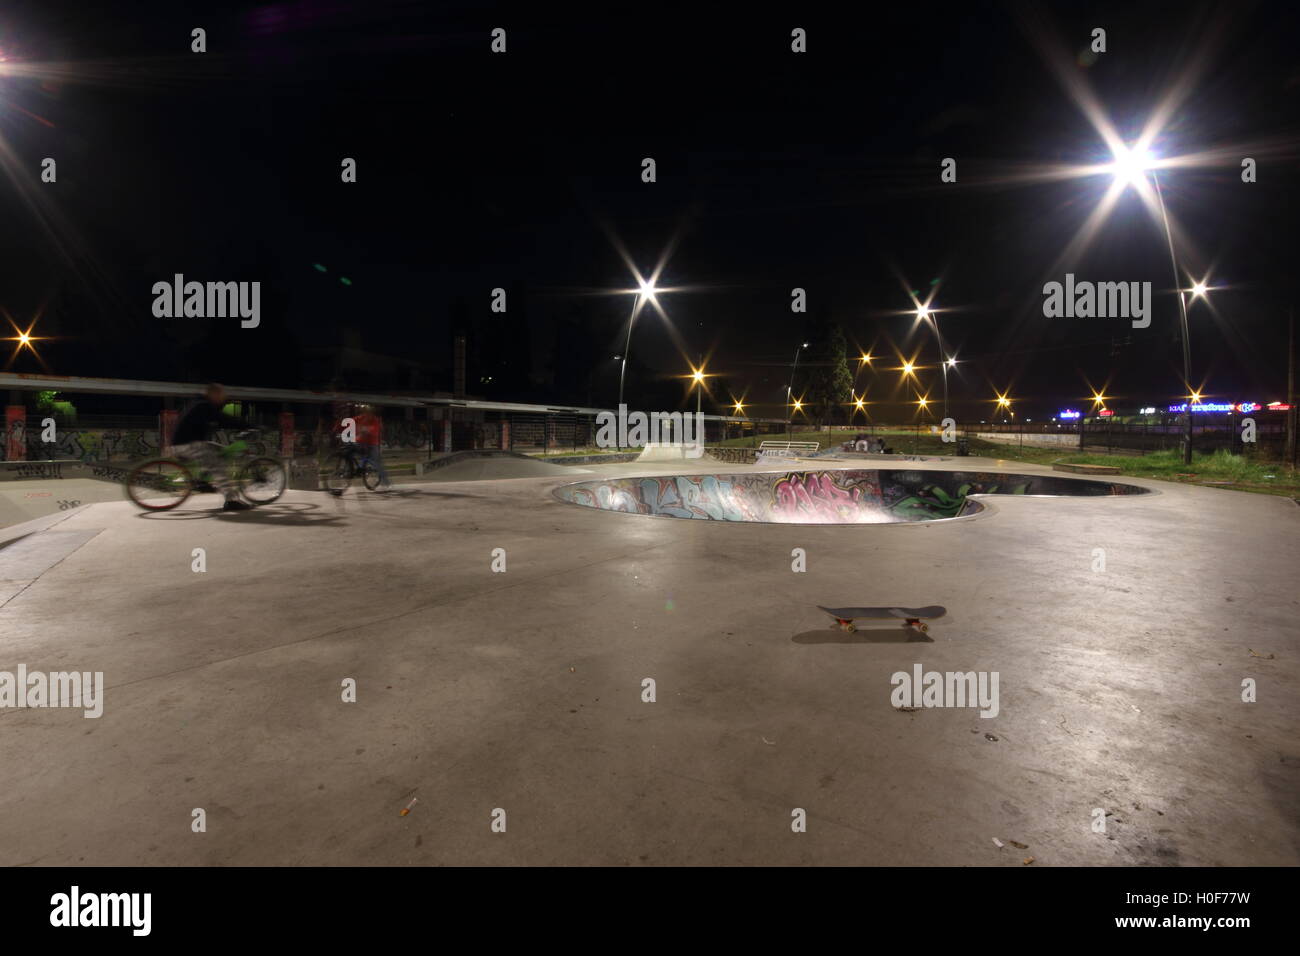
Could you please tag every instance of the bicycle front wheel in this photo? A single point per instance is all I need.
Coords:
(159, 485)
(336, 473)
(370, 476)
(264, 481)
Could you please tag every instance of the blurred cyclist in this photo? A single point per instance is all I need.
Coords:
(193, 442)
(370, 432)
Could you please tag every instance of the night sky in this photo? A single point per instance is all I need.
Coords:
(522, 170)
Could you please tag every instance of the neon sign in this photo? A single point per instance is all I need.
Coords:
(1106, 413)
(1069, 413)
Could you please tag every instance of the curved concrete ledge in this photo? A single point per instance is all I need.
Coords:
(825, 497)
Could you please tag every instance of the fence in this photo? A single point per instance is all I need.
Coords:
(301, 423)
(103, 439)
(1215, 433)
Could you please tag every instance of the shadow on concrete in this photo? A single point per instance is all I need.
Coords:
(864, 635)
(297, 514)
(430, 493)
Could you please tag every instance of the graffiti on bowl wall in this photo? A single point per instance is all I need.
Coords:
(822, 497)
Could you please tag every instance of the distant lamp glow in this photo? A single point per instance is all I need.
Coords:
(922, 402)
(907, 368)
(740, 408)
(647, 289)
(1199, 289)
(797, 405)
(951, 362)
(922, 312)
(23, 338)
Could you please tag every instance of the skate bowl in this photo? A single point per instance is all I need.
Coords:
(851, 496)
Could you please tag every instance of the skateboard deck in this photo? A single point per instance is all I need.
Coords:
(909, 616)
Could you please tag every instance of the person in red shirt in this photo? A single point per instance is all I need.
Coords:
(370, 433)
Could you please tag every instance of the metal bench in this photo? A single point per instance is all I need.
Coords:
(788, 449)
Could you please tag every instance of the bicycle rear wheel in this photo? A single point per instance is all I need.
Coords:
(336, 473)
(369, 476)
(159, 485)
(264, 480)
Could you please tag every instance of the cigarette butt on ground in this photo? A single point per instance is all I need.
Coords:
(407, 809)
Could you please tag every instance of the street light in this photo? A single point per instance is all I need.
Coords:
(924, 312)
(646, 291)
(789, 422)
(1129, 169)
(697, 383)
(864, 360)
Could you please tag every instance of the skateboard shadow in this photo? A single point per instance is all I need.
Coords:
(863, 635)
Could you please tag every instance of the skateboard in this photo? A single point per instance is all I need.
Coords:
(910, 616)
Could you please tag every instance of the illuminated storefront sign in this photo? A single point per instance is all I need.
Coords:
(1210, 407)
(1106, 413)
(1069, 413)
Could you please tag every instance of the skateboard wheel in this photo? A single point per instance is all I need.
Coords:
(925, 628)
(850, 626)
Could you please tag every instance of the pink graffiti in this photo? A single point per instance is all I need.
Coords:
(815, 495)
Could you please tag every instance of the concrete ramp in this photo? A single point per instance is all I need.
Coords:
(22, 501)
(479, 467)
(654, 451)
(25, 560)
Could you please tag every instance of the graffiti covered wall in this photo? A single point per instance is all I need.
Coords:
(92, 446)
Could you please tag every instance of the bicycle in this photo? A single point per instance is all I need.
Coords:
(161, 484)
(340, 467)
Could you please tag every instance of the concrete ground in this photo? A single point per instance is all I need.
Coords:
(522, 690)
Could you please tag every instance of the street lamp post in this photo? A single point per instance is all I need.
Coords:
(789, 422)
(1182, 310)
(699, 382)
(646, 291)
(925, 312)
(631, 320)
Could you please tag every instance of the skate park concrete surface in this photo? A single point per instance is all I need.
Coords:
(1121, 629)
